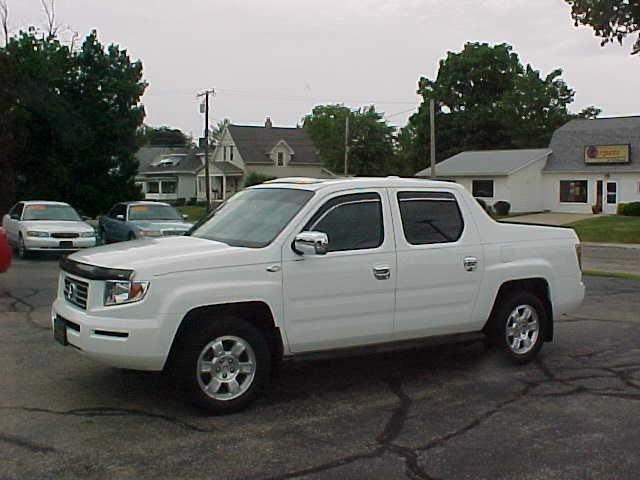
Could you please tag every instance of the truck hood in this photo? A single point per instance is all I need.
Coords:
(162, 256)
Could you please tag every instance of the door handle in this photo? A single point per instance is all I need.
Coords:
(382, 272)
(470, 263)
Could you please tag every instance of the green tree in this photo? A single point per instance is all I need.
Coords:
(371, 139)
(486, 99)
(612, 20)
(254, 178)
(162, 137)
(74, 120)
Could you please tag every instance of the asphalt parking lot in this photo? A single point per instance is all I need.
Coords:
(453, 412)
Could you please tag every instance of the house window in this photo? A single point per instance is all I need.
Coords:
(280, 161)
(169, 187)
(231, 153)
(153, 187)
(573, 191)
(482, 188)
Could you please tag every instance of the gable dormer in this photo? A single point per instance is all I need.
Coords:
(281, 154)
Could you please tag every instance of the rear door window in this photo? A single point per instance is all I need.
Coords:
(430, 217)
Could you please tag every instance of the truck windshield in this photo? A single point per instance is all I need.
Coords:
(253, 218)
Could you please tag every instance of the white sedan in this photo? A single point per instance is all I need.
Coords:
(47, 226)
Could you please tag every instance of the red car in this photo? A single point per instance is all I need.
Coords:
(5, 251)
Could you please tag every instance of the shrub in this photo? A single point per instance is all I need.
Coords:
(629, 209)
(179, 202)
(502, 208)
(254, 178)
(192, 201)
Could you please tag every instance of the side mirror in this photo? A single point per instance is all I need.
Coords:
(185, 216)
(120, 217)
(311, 243)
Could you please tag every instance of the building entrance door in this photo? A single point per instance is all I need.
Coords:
(611, 203)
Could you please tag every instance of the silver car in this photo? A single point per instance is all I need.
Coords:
(46, 226)
(131, 220)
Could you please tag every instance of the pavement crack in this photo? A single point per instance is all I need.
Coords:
(28, 307)
(24, 443)
(112, 412)
(476, 422)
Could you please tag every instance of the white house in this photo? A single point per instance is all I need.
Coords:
(269, 150)
(493, 175)
(590, 165)
(168, 173)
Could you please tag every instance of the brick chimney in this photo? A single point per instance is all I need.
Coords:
(267, 123)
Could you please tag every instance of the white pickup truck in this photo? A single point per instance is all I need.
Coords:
(299, 266)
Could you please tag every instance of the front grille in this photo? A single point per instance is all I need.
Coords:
(65, 235)
(76, 292)
(167, 233)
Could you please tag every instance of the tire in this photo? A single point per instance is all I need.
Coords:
(132, 236)
(518, 326)
(223, 365)
(23, 252)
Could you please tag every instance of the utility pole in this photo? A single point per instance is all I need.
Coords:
(207, 180)
(432, 121)
(346, 145)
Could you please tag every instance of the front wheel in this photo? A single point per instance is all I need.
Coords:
(224, 364)
(22, 249)
(519, 326)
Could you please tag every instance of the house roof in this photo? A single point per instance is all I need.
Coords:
(221, 168)
(255, 142)
(161, 160)
(569, 141)
(486, 162)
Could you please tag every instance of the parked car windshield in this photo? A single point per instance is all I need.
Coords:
(253, 218)
(153, 212)
(50, 212)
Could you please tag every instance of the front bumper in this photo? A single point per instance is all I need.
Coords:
(58, 244)
(124, 343)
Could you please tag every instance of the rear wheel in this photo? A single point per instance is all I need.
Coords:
(223, 365)
(518, 326)
(132, 236)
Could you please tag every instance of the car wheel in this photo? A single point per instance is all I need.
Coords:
(23, 252)
(519, 326)
(132, 236)
(223, 365)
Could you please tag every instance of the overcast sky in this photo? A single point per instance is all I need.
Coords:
(279, 58)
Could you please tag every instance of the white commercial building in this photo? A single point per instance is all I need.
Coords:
(590, 165)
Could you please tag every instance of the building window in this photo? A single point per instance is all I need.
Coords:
(430, 217)
(573, 191)
(482, 188)
(169, 187)
(231, 153)
(280, 160)
(153, 187)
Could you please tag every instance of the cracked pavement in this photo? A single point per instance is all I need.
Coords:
(449, 412)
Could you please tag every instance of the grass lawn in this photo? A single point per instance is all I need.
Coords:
(609, 229)
(195, 212)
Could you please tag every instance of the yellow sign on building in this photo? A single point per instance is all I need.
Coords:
(606, 154)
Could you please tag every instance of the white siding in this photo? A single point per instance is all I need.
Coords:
(525, 190)
(627, 190)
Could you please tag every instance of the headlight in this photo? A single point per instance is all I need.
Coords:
(37, 234)
(117, 292)
(150, 233)
(90, 234)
